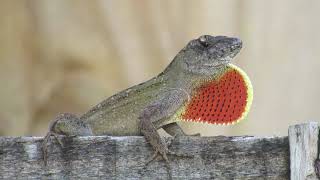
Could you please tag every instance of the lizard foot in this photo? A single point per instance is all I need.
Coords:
(163, 152)
(44, 144)
(164, 156)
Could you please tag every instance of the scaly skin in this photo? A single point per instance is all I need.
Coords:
(195, 81)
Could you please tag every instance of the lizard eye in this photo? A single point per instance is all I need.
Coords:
(203, 41)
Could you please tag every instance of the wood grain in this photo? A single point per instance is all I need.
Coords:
(218, 157)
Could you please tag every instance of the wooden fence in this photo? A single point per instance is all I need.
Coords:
(220, 157)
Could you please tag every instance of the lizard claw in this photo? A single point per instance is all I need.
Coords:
(163, 151)
(156, 155)
(152, 158)
(164, 156)
(169, 141)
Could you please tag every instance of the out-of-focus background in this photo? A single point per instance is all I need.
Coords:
(66, 56)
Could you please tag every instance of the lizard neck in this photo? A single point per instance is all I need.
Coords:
(188, 80)
(224, 97)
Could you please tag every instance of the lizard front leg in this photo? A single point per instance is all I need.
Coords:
(160, 110)
(150, 131)
(152, 136)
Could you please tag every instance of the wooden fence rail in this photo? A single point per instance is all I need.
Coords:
(220, 157)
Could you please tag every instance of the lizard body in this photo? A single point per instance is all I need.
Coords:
(199, 85)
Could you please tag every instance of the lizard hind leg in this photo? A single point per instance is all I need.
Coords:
(70, 125)
(64, 124)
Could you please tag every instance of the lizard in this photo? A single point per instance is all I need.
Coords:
(199, 85)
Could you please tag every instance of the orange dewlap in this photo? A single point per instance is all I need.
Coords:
(221, 101)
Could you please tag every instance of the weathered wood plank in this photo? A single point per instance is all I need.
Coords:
(124, 157)
(303, 140)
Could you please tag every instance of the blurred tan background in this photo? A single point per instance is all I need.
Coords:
(66, 56)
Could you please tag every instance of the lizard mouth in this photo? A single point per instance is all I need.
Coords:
(223, 100)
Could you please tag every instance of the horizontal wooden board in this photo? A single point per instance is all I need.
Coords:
(109, 157)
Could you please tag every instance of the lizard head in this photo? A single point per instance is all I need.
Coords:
(208, 53)
(221, 93)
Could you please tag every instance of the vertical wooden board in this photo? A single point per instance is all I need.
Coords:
(303, 140)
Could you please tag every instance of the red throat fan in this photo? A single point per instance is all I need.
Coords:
(225, 100)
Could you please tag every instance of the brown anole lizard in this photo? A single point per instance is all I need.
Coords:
(199, 85)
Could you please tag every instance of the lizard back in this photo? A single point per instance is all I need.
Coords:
(118, 114)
